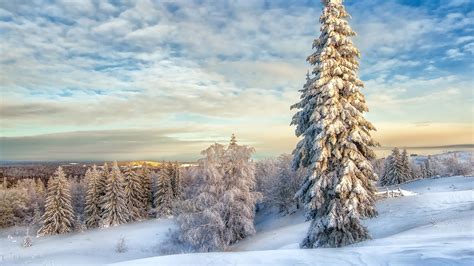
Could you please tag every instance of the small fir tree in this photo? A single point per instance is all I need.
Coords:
(115, 210)
(176, 180)
(147, 199)
(134, 195)
(36, 222)
(59, 216)
(394, 170)
(406, 166)
(27, 242)
(93, 198)
(102, 183)
(428, 170)
(164, 194)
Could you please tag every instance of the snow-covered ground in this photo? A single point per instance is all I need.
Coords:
(91, 247)
(434, 225)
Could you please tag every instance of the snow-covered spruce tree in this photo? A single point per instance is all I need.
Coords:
(394, 172)
(93, 198)
(36, 223)
(164, 194)
(175, 180)
(428, 170)
(406, 166)
(78, 197)
(147, 197)
(102, 185)
(115, 210)
(134, 195)
(59, 216)
(239, 196)
(336, 144)
(104, 174)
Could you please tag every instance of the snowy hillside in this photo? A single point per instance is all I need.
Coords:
(432, 227)
(465, 157)
(93, 246)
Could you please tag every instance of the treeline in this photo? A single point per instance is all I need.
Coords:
(398, 168)
(12, 174)
(105, 197)
(215, 201)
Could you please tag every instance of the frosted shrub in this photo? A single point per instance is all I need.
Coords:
(279, 182)
(222, 212)
(27, 242)
(121, 246)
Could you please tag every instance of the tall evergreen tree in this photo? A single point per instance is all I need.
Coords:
(164, 193)
(134, 195)
(115, 210)
(93, 198)
(336, 144)
(59, 216)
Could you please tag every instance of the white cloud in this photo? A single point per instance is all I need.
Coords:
(140, 65)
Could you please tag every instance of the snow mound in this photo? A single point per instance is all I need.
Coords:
(406, 193)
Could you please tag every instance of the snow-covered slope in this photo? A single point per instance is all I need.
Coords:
(91, 247)
(432, 227)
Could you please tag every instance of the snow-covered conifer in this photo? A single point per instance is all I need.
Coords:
(394, 170)
(146, 179)
(102, 185)
(93, 198)
(78, 195)
(428, 169)
(134, 195)
(336, 144)
(36, 222)
(59, 216)
(104, 176)
(115, 210)
(27, 242)
(164, 193)
(406, 166)
(176, 180)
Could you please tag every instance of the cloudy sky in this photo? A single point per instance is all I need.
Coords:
(148, 79)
